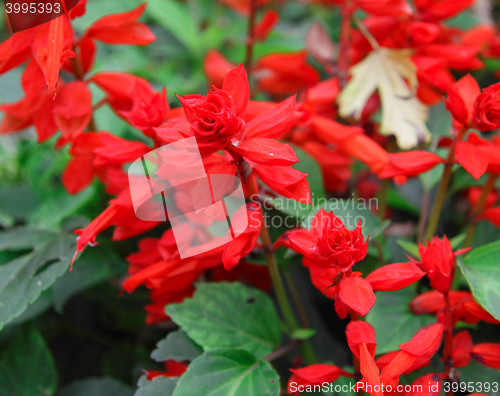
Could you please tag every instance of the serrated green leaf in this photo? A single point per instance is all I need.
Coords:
(24, 238)
(159, 386)
(229, 315)
(96, 386)
(392, 320)
(27, 367)
(482, 272)
(228, 372)
(92, 267)
(23, 279)
(176, 346)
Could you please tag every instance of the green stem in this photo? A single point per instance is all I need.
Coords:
(250, 35)
(443, 188)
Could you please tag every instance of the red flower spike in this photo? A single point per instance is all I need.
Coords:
(488, 354)
(462, 346)
(357, 294)
(461, 97)
(359, 332)
(425, 342)
(394, 276)
(122, 28)
(316, 374)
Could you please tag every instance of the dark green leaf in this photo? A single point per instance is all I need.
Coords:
(159, 386)
(27, 367)
(228, 372)
(94, 266)
(229, 315)
(481, 270)
(176, 346)
(392, 320)
(23, 279)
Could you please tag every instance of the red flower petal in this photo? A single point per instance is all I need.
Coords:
(236, 84)
(359, 332)
(394, 276)
(357, 294)
(487, 354)
(425, 342)
(122, 28)
(267, 152)
(274, 122)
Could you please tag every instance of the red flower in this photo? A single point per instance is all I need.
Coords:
(172, 369)
(217, 118)
(329, 242)
(438, 261)
(462, 347)
(461, 97)
(487, 108)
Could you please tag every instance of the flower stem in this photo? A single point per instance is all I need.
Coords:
(478, 208)
(279, 288)
(443, 188)
(250, 35)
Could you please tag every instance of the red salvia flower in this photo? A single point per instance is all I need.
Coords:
(488, 354)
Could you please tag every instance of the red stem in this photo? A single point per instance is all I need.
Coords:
(345, 35)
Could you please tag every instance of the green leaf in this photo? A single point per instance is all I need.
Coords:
(228, 372)
(92, 267)
(23, 279)
(24, 238)
(59, 205)
(392, 320)
(24, 203)
(176, 346)
(229, 315)
(303, 334)
(159, 386)
(96, 386)
(175, 17)
(27, 367)
(410, 247)
(481, 270)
